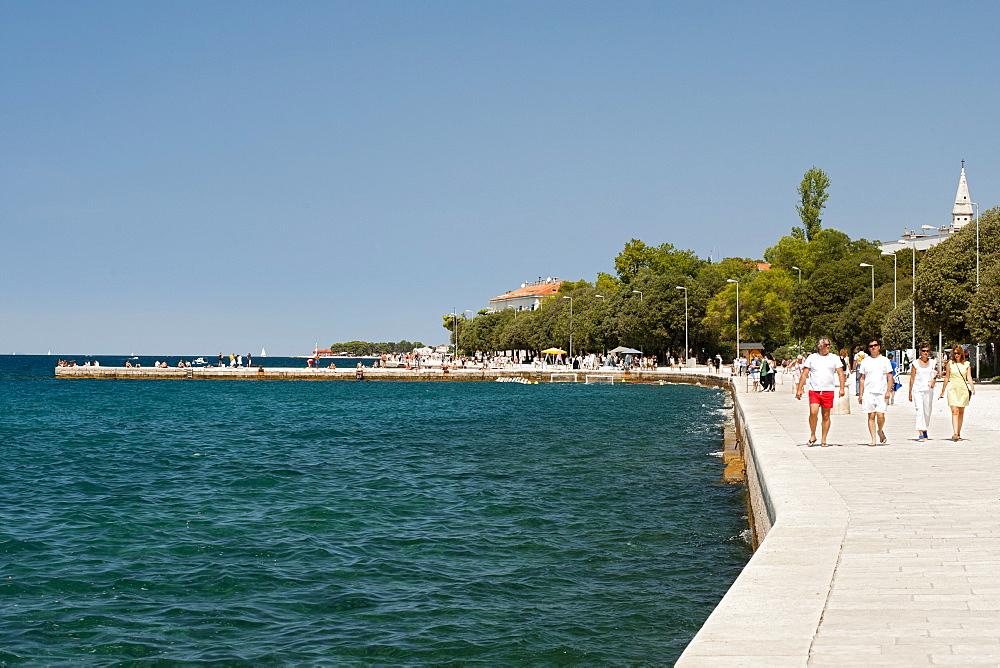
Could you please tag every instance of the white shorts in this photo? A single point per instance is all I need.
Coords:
(872, 402)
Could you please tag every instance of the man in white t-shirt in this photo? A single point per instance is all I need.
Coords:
(823, 371)
(876, 381)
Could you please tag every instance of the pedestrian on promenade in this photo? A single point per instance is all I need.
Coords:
(875, 372)
(959, 387)
(755, 372)
(859, 355)
(922, 379)
(820, 369)
(895, 378)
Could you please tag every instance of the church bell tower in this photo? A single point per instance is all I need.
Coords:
(961, 215)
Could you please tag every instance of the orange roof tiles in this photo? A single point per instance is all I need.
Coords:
(531, 291)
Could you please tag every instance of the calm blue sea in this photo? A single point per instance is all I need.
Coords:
(358, 523)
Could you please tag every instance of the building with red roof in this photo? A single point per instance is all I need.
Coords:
(528, 297)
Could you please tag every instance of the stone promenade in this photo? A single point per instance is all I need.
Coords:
(875, 556)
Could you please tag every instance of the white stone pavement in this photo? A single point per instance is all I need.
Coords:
(877, 556)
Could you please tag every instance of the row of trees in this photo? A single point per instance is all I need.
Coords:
(815, 286)
(371, 348)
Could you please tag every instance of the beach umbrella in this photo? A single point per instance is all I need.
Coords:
(554, 351)
(622, 350)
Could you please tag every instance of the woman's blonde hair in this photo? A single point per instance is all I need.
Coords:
(957, 350)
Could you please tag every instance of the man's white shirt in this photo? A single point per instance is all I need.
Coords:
(822, 372)
(874, 369)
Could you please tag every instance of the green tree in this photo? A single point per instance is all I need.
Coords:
(764, 309)
(898, 330)
(984, 311)
(634, 257)
(662, 259)
(813, 197)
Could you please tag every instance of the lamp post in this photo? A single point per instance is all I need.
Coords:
(603, 339)
(454, 314)
(681, 287)
(800, 283)
(975, 204)
(638, 292)
(733, 280)
(865, 264)
(893, 254)
(570, 325)
(913, 301)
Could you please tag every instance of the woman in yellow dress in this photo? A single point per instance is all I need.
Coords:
(959, 387)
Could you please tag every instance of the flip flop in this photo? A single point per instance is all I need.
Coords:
(811, 442)
(881, 436)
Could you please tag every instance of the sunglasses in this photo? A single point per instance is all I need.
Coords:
(924, 350)
(874, 345)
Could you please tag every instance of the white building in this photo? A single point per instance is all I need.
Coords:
(528, 297)
(928, 235)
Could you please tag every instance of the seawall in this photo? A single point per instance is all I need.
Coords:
(690, 377)
(770, 614)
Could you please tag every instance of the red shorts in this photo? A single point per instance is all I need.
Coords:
(824, 399)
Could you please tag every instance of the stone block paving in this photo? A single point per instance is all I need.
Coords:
(918, 577)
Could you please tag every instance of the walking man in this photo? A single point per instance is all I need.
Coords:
(875, 372)
(821, 370)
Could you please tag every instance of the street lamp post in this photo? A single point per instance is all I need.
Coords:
(570, 325)
(977, 270)
(872, 267)
(893, 254)
(681, 287)
(800, 283)
(639, 292)
(603, 339)
(977, 277)
(733, 280)
(454, 313)
(913, 301)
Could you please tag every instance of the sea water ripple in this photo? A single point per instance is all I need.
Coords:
(359, 523)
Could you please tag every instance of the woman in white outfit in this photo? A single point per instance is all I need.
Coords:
(922, 379)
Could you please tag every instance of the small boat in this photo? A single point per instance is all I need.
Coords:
(263, 353)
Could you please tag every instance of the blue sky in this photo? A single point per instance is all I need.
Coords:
(185, 178)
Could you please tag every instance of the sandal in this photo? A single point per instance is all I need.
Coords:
(881, 436)
(811, 442)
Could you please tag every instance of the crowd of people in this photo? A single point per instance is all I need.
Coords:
(825, 373)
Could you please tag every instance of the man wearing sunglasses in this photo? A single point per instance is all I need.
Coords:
(875, 372)
(821, 369)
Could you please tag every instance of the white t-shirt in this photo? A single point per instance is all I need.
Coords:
(822, 371)
(923, 375)
(874, 369)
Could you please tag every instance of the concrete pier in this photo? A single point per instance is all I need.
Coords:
(871, 556)
(688, 376)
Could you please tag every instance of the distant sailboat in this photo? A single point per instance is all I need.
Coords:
(263, 353)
